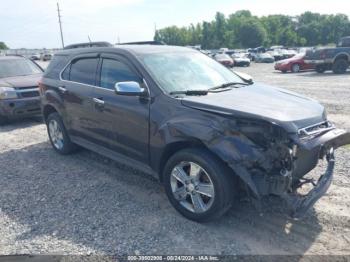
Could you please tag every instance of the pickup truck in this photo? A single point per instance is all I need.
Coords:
(327, 58)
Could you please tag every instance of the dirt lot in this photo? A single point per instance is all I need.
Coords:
(87, 204)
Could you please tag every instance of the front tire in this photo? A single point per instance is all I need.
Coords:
(295, 68)
(58, 135)
(198, 184)
(321, 69)
(340, 66)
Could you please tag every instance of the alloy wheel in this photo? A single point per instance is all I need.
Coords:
(296, 68)
(56, 134)
(192, 187)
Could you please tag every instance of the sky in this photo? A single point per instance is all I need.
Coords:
(34, 23)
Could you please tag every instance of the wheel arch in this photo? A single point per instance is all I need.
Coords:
(342, 56)
(174, 147)
(47, 110)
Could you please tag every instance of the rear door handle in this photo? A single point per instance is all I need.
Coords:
(62, 89)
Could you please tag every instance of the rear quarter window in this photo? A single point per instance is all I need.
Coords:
(56, 66)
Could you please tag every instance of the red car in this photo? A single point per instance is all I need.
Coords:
(294, 64)
(224, 59)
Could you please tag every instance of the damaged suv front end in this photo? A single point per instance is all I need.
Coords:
(281, 160)
(270, 149)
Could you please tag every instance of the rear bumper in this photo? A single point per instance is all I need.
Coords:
(324, 145)
(17, 108)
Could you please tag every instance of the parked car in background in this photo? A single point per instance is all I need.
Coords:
(275, 47)
(253, 52)
(19, 92)
(206, 132)
(224, 59)
(288, 53)
(264, 58)
(46, 57)
(303, 50)
(230, 52)
(241, 59)
(276, 54)
(294, 64)
(252, 55)
(35, 57)
(336, 59)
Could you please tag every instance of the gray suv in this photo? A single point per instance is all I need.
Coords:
(205, 131)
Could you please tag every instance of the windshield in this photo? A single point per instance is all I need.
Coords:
(17, 67)
(183, 71)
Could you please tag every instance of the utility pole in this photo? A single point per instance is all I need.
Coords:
(60, 22)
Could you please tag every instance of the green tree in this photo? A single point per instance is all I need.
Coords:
(251, 33)
(220, 28)
(3, 46)
(242, 30)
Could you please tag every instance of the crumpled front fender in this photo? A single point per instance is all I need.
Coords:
(232, 147)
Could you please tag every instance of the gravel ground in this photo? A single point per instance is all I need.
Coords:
(87, 204)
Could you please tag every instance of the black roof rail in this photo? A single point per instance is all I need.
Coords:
(88, 44)
(144, 43)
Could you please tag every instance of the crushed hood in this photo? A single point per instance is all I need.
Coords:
(21, 81)
(285, 108)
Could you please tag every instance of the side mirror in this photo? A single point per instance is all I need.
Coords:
(245, 77)
(128, 88)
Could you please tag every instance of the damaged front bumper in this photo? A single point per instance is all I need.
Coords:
(325, 146)
(300, 204)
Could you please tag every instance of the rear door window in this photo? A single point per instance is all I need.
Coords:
(82, 71)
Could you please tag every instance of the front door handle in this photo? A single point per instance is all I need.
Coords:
(99, 101)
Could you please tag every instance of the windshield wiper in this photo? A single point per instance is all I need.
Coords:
(226, 85)
(190, 92)
(205, 92)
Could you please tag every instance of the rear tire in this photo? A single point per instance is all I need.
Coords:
(321, 69)
(58, 135)
(340, 66)
(213, 180)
